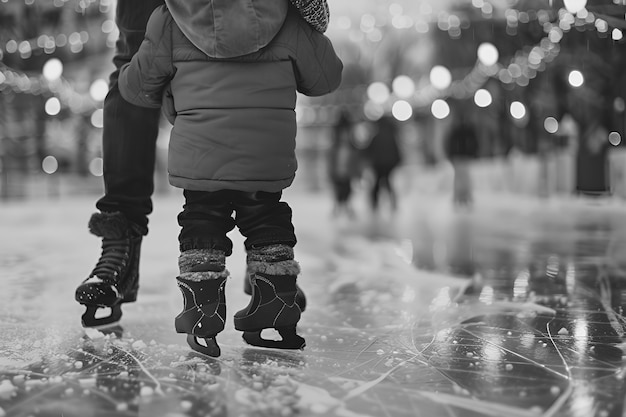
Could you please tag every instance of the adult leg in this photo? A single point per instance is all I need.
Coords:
(264, 220)
(129, 132)
(386, 183)
(375, 190)
(128, 142)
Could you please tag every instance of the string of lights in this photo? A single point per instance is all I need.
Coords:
(59, 89)
(523, 66)
(74, 41)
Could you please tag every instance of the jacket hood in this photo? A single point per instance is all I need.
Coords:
(229, 28)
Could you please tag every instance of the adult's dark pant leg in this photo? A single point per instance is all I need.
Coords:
(263, 219)
(387, 184)
(130, 132)
(382, 181)
(205, 220)
(375, 190)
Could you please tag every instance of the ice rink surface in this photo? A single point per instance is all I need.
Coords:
(511, 309)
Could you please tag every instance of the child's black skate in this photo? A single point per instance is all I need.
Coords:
(300, 297)
(273, 305)
(204, 313)
(115, 278)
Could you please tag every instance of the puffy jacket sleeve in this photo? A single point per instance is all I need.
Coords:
(142, 80)
(318, 68)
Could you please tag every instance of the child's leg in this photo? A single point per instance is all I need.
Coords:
(265, 221)
(204, 221)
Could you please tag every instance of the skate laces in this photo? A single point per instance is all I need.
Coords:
(115, 255)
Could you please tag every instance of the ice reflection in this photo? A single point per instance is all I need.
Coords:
(540, 322)
(520, 286)
(536, 329)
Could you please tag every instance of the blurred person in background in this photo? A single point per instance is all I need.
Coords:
(343, 163)
(383, 157)
(461, 147)
(129, 148)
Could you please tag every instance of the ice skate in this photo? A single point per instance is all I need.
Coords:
(272, 254)
(300, 297)
(272, 306)
(115, 278)
(202, 283)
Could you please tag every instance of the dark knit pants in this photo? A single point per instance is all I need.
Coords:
(260, 216)
(130, 132)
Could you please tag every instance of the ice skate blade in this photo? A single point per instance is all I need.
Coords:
(290, 340)
(88, 319)
(211, 349)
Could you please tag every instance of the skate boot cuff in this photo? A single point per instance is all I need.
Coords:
(114, 225)
(272, 253)
(202, 260)
(289, 267)
(204, 275)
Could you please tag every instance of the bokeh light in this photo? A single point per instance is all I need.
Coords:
(96, 167)
(11, 46)
(440, 77)
(373, 110)
(99, 89)
(517, 110)
(488, 54)
(52, 106)
(440, 109)
(575, 6)
(551, 124)
(97, 118)
(403, 86)
(402, 110)
(378, 92)
(617, 34)
(52, 69)
(615, 138)
(482, 98)
(49, 165)
(576, 78)
(108, 26)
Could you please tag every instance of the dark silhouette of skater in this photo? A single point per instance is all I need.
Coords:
(383, 155)
(461, 148)
(343, 163)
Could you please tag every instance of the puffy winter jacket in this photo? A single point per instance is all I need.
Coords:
(232, 105)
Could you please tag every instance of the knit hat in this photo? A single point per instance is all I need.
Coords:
(315, 12)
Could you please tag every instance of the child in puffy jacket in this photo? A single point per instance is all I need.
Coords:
(226, 74)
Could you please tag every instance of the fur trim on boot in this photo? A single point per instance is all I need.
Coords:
(273, 260)
(315, 12)
(276, 260)
(290, 267)
(202, 276)
(272, 253)
(201, 264)
(113, 226)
